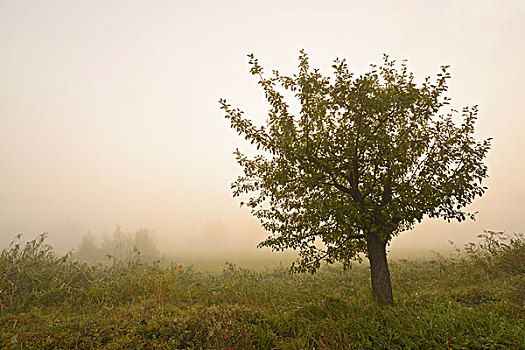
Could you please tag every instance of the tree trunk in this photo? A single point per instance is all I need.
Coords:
(380, 274)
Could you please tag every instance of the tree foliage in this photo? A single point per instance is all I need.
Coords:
(365, 155)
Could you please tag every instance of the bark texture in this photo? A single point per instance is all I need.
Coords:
(381, 284)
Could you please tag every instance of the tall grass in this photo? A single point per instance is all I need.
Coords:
(474, 300)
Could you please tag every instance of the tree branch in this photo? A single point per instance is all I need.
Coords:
(359, 236)
(376, 129)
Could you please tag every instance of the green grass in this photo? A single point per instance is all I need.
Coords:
(470, 301)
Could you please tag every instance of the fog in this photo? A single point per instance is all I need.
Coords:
(109, 110)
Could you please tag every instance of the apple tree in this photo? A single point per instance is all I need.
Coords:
(362, 159)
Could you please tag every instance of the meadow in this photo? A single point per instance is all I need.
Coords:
(474, 299)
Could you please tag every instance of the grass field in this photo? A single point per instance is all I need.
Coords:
(470, 301)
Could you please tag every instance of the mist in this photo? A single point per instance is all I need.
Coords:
(109, 111)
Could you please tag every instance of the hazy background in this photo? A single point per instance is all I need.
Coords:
(109, 113)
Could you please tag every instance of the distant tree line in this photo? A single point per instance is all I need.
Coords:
(119, 245)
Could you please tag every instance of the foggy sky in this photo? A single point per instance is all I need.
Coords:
(109, 112)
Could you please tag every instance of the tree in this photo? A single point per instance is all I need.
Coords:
(117, 245)
(88, 248)
(144, 242)
(362, 160)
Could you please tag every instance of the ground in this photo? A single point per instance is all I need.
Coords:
(471, 301)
